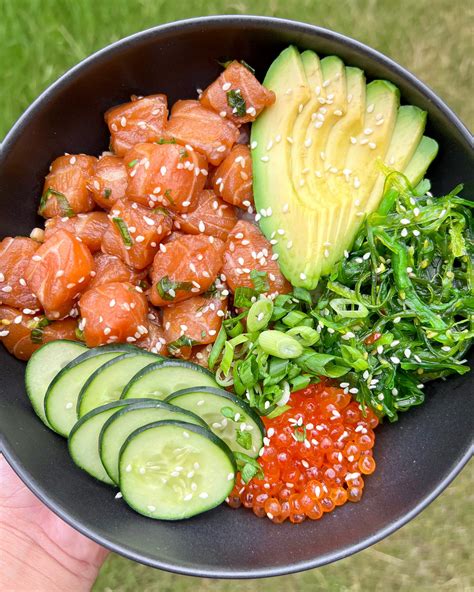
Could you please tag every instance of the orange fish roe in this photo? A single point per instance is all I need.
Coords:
(314, 457)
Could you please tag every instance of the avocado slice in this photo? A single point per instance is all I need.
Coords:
(320, 154)
(271, 138)
(424, 155)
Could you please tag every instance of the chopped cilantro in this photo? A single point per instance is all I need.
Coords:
(236, 102)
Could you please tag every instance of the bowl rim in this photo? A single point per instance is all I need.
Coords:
(9, 140)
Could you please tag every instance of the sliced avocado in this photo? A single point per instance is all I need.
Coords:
(367, 150)
(424, 155)
(272, 134)
(320, 157)
(409, 128)
(337, 148)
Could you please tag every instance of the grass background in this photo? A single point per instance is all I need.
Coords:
(40, 39)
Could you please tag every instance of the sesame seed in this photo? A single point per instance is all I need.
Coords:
(370, 108)
(264, 158)
(253, 145)
(7, 289)
(302, 276)
(372, 145)
(395, 360)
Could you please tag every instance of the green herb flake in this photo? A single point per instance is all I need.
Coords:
(62, 201)
(260, 281)
(166, 141)
(107, 192)
(167, 288)
(236, 102)
(228, 412)
(183, 341)
(123, 229)
(133, 162)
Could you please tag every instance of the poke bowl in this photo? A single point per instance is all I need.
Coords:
(416, 457)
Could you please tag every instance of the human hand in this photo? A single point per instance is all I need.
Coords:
(38, 551)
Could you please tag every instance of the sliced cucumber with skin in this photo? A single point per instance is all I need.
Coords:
(61, 397)
(172, 470)
(83, 441)
(118, 427)
(107, 382)
(163, 378)
(228, 416)
(43, 366)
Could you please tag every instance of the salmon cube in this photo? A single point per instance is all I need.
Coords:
(134, 233)
(185, 267)
(203, 129)
(233, 178)
(66, 186)
(165, 174)
(154, 339)
(247, 250)
(23, 334)
(109, 268)
(237, 94)
(195, 321)
(212, 216)
(140, 120)
(109, 182)
(88, 227)
(200, 355)
(58, 272)
(15, 255)
(115, 312)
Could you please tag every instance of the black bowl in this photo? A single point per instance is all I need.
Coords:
(417, 457)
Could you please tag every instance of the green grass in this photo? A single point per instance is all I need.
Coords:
(40, 39)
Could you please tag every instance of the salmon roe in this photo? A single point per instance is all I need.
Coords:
(314, 457)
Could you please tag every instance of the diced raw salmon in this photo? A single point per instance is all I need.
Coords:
(66, 186)
(195, 321)
(58, 272)
(247, 249)
(15, 255)
(200, 355)
(203, 129)
(109, 182)
(244, 136)
(184, 267)
(23, 334)
(154, 340)
(233, 178)
(141, 120)
(115, 312)
(237, 94)
(88, 227)
(167, 175)
(109, 268)
(134, 233)
(212, 216)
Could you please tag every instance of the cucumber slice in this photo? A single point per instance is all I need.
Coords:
(172, 470)
(118, 427)
(61, 397)
(163, 378)
(228, 416)
(107, 382)
(43, 366)
(83, 441)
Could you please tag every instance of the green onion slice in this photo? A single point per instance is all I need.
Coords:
(279, 344)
